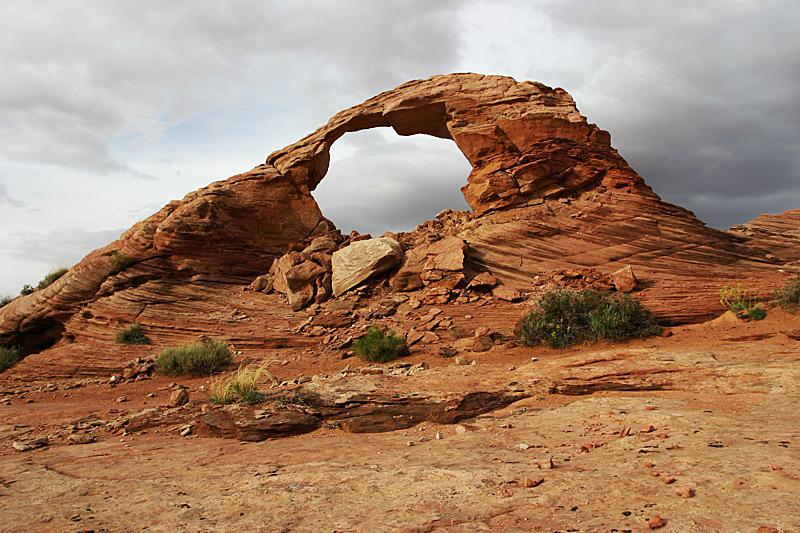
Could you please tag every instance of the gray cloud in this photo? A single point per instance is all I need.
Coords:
(6, 198)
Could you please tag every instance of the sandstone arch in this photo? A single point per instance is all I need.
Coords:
(546, 188)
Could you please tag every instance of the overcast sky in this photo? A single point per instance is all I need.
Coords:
(109, 109)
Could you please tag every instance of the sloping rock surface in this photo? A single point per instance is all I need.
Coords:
(546, 188)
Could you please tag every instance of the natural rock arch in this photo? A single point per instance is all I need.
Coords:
(379, 181)
(528, 147)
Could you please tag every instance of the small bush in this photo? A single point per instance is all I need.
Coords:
(50, 278)
(9, 357)
(241, 388)
(569, 317)
(756, 313)
(202, 358)
(737, 298)
(789, 296)
(119, 261)
(132, 334)
(5, 299)
(26, 289)
(378, 346)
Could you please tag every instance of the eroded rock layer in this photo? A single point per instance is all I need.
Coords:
(547, 191)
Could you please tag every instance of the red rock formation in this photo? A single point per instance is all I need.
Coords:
(547, 190)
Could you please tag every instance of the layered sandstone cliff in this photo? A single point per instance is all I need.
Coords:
(547, 192)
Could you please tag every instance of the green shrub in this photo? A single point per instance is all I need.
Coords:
(568, 317)
(737, 298)
(9, 357)
(378, 346)
(119, 261)
(26, 289)
(789, 296)
(202, 358)
(242, 387)
(50, 278)
(5, 299)
(756, 313)
(132, 334)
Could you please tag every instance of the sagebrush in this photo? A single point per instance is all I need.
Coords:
(789, 296)
(119, 260)
(379, 346)
(9, 356)
(51, 277)
(202, 358)
(132, 334)
(5, 299)
(568, 317)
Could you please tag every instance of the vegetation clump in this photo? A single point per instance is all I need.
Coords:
(132, 334)
(9, 357)
(378, 346)
(119, 260)
(738, 299)
(242, 387)
(5, 299)
(569, 317)
(26, 289)
(202, 358)
(789, 296)
(51, 277)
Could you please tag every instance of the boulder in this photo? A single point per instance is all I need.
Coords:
(438, 264)
(302, 277)
(482, 282)
(362, 260)
(623, 279)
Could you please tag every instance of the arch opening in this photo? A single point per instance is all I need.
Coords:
(379, 181)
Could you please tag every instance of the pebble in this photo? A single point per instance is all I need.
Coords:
(688, 492)
(461, 430)
(81, 438)
(668, 480)
(439, 436)
(656, 522)
(528, 483)
(410, 443)
(523, 446)
(534, 359)
(121, 399)
(424, 439)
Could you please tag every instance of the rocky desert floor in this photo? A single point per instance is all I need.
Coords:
(697, 431)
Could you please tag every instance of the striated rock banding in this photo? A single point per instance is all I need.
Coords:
(546, 188)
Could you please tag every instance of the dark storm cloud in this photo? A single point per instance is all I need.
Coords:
(702, 98)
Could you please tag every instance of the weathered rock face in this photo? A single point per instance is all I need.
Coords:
(546, 188)
(362, 260)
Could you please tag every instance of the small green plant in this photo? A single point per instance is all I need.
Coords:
(756, 313)
(26, 289)
(202, 358)
(789, 296)
(242, 387)
(5, 299)
(119, 260)
(737, 298)
(568, 317)
(9, 357)
(378, 346)
(51, 277)
(132, 334)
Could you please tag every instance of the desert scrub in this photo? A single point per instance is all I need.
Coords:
(568, 317)
(132, 334)
(242, 387)
(789, 296)
(202, 358)
(51, 277)
(9, 357)
(119, 261)
(5, 299)
(737, 298)
(26, 289)
(378, 346)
